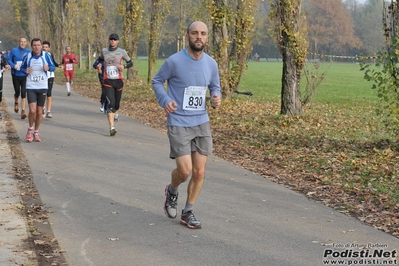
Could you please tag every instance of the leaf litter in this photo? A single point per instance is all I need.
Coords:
(342, 158)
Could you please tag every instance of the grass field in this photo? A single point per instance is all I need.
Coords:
(343, 83)
(338, 152)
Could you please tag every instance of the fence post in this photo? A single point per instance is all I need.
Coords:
(80, 56)
(88, 56)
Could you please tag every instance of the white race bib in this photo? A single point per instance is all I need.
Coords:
(112, 72)
(69, 66)
(19, 63)
(194, 98)
(37, 76)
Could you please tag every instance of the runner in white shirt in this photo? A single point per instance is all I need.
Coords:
(36, 64)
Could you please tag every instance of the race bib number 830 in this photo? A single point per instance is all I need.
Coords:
(194, 98)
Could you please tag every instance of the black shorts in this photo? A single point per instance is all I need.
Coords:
(37, 96)
(116, 84)
(50, 83)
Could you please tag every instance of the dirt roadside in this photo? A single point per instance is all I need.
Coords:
(28, 238)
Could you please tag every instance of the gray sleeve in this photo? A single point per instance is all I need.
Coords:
(125, 56)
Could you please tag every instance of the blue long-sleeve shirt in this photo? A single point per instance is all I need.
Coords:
(187, 81)
(16, 57)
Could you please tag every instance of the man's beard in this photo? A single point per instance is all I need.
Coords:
(196, 48)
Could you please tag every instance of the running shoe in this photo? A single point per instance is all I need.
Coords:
(44, 112)
(112, 131)
(23, 114)
(48, 115)
(170, 205)
(69, 93)
(16, 109)
(101, 108)
(116, 117)
(188, 219)
(29, 135)
(36, 136)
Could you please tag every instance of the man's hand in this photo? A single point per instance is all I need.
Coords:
(170, 107)
(99, 68)
(216, 101)
(121, 67)
(29, 70)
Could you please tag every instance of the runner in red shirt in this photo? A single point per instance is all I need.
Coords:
(68, 61)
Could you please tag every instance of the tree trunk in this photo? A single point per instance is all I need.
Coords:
(137, 27)
(242, 43)
(220, 48)
(62, 25)
(292, 40)
(34, 21)
(158, 10)
(290, 85)
(152, 51)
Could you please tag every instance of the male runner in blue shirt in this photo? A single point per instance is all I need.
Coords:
(189, 74)
(14, 59)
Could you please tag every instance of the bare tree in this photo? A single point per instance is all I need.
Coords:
(330, 27)
(10, 30)
(98, 28)
(158, 11)
(292, 41)
(62, 25)
(21, 12)
(220, 17)
(241, 46)
(232, 28)
(132, 13)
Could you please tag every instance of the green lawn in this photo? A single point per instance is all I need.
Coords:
(343, 83)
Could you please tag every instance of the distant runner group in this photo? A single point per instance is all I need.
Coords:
(32, 73)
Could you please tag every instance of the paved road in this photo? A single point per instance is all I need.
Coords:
(106, 194)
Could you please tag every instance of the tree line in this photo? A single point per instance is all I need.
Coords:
(291, 29)
(338, 27)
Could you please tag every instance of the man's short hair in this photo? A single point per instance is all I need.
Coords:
(35, 40)
(46, 42)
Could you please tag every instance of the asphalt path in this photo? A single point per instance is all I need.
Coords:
(106, 198)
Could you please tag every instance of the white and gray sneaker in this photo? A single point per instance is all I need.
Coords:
(112, 131)
(170, 205)
(101, 108)
(116, 117)
(188, 219)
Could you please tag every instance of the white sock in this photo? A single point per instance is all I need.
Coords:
(68, 85)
